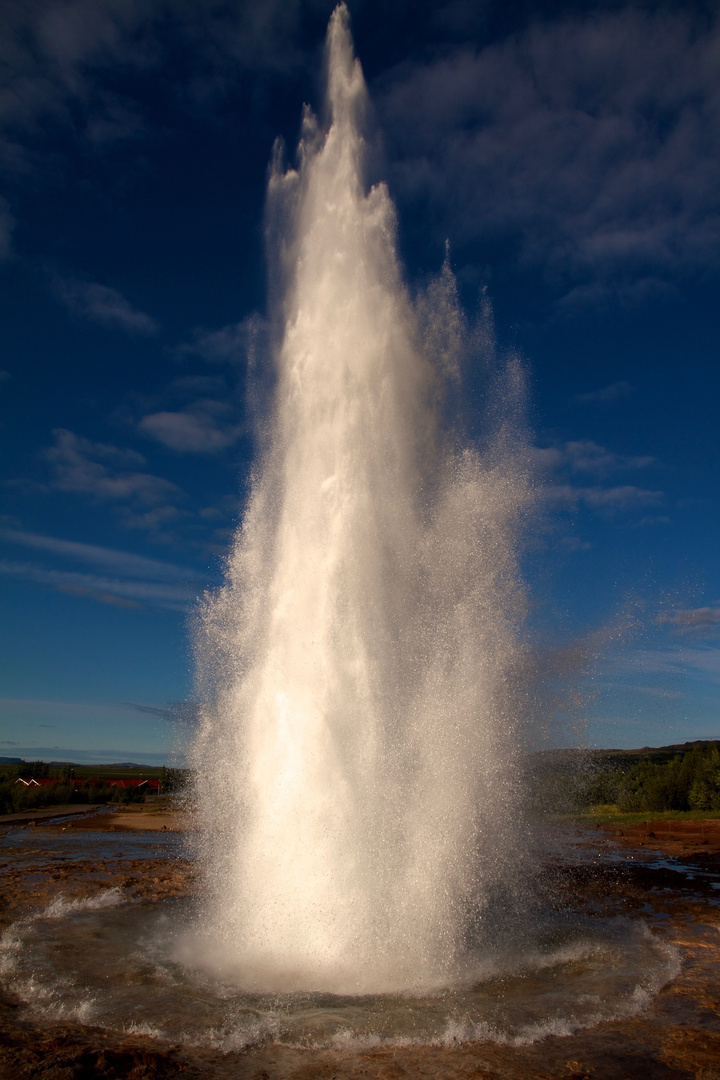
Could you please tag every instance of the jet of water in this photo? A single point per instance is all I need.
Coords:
(357, 762)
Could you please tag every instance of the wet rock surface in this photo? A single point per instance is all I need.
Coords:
(676, 1038)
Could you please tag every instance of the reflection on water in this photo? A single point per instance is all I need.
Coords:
(113, 963)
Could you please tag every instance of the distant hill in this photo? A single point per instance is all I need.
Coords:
(613, 755)
(78, 765)
(124, 765)
(655, 754)
(60, 770)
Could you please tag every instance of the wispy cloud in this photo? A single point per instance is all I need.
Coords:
(608, 501)
(105, 472)
(107, 590)
(124, 563)
(701, 621)
(584, 144)
(567, 463)
(61, 62)
(204, 427)
(607, 394)
(243, 347)
(622, 497)
(130, 580)
(211, 418)
(236, 343)
(586, 456)
(103, 305)
(184, 713)
(702, 661)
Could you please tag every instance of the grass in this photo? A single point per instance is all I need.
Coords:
(606, 815)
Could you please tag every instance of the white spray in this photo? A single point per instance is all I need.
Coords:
(357, 760)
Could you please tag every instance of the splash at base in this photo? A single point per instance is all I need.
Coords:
(357, 760)
(115, 964)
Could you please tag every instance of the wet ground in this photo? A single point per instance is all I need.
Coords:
(667, 874)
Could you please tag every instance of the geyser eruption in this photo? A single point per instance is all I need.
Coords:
(363, 677)
(358, 757)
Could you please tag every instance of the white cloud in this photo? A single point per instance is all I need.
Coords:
(154, 520)
(129, 580)
(107, 590)
(80, 467)
(202, 428)
(701, 620)
(700, 660)
(623, 497)
(651, 520)
(103, 305)
(584, 455)
(236, 343)
(609, 501)
(564, 463)
(124, 563)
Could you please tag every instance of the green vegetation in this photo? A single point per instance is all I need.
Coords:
(688, 781)
(174, 781)
(69, 770)
(608, 814)
(36, 770)
(15, 797)
(117, 772)
(606, 783)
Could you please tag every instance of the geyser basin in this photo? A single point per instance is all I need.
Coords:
(116, 964)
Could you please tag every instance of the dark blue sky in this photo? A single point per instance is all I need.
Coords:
(568, 152)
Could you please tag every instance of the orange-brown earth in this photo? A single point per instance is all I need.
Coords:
(681, 837)
(677, 1038)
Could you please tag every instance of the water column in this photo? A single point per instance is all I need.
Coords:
(357, 756)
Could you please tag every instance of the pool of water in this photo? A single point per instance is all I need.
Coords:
(135, 967)
(38, 846)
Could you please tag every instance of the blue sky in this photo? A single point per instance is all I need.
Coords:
(568, 152)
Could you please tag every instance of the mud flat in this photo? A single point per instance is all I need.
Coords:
(670, 880)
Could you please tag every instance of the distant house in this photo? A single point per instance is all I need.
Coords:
(148, 785)
(46, 781)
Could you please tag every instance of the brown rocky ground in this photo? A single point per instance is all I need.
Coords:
(25, 886)
(677, 1038)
